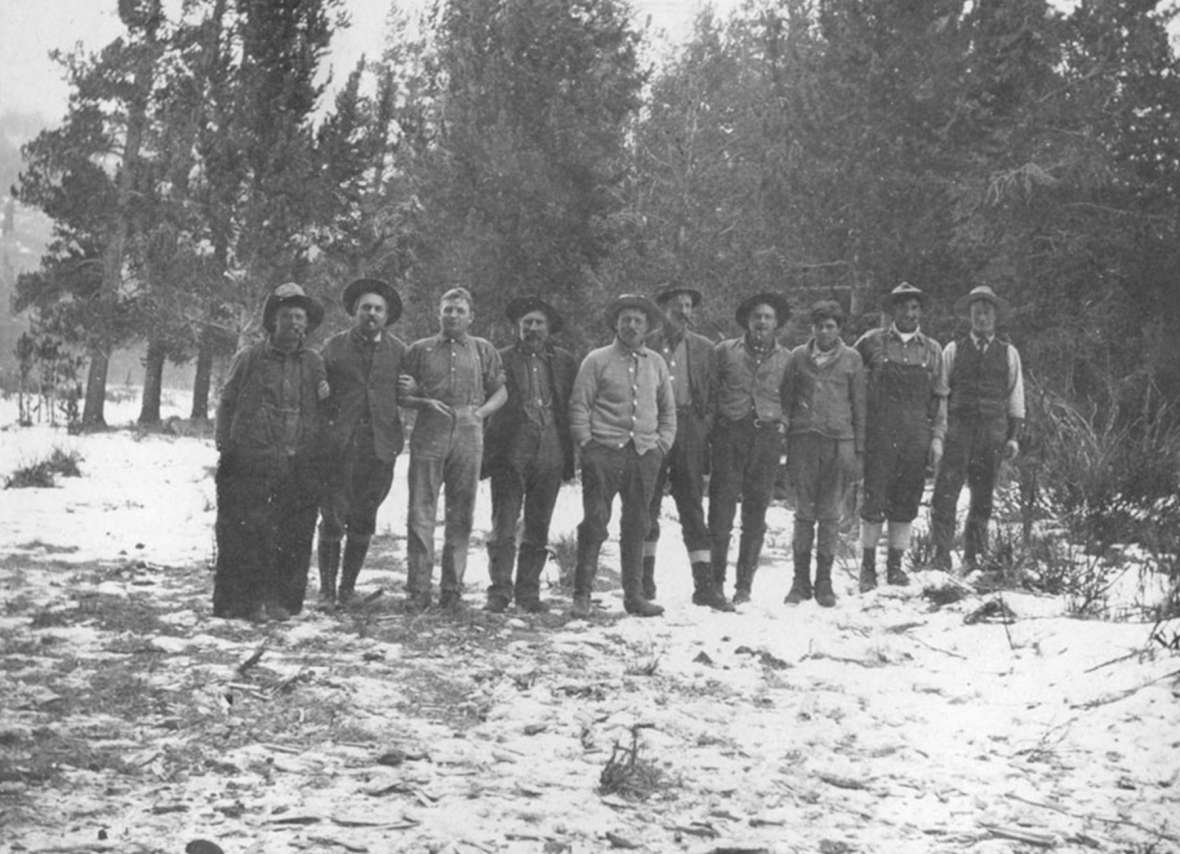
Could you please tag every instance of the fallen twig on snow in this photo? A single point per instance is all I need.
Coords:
(1091, 816)
(626, 774)
(1044, 840)
(254, 658)
(841, 782)
(937, 648)
(1122, 695)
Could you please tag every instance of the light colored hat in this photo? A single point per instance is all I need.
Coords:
(290, 293)
(981, 292)
(639, 301)
(904, 291)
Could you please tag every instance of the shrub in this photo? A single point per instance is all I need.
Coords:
(41, 474)
(563, 551)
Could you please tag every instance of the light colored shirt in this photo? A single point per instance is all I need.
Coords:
(623, 396)
(462, 371)
(1015, 401)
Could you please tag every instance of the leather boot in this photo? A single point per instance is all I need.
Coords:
(974, 542)
(529, 564)
(329, 559)
(719, 556)
(500, 572)
(634, 600)
(801, 586)
(749, 549)
(355, 549)
(824, 595)
(649, 576)
(705, 592)
(893, 571)
(868, 570)
(584, 572)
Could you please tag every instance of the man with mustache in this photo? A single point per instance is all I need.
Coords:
(528, 452)
(689, 357)
(460, 382)
(749, 376)
(364, 432)
(623, 417)
(269, 475)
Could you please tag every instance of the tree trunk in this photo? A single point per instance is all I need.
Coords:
(96, 386)
(153, 382)
(203, 379)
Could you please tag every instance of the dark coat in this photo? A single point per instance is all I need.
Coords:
(506, 422)
(352, 393)
(700, 368)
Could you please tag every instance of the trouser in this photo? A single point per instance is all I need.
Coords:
(607, 472)
(895, 471)
(972, 452)
(745, 455)
(683, 471)
(532, 485)
(445, 454)
(266, 510)
(357, 484)
(821, 470)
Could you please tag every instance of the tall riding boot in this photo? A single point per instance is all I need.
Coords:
(974, 541)
(529, 564)
(801, 586)
(649, 576)
(824, 595)
(705, 592)
(329, 558)
(500, 572)
(894, 574)
(355, 549)
(634, 600)
(749, 550)
(584, 572)
(868, 570)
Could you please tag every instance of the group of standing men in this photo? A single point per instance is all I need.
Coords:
(660, 408)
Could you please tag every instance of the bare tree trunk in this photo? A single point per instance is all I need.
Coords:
(96, 386)
(153, 382)
(204, 377)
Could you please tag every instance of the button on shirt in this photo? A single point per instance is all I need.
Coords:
(749, 380)
(458, 371)
(623, 396)
(676, 357)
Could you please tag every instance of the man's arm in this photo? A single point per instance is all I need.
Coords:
(1016, 409)
(227, 403)
(665, 406)
(856, 392)
(942, 390)
(582, 400)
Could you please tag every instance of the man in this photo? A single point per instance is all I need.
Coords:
(905, 396)
(985, 413)
(460, 382)
(623, 417)
(364, 434)
(269, 474)
(825, 402)
(749, 373)
(528, 452)
(690, 359)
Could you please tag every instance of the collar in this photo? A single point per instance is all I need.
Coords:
(361, 338)
(982, 339)
(906, 337)
(749, 345)
(443, 338)
(627, 351)
(275, 349)
(813, 348)
(545, 352)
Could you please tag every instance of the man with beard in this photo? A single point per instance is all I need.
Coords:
(689, 357)
(623, 417)
(459, 382)
(528, 452)
(905, 402)
(364, 434)
(985, 414)
(825, 402)
(269, 475)
(749, 374)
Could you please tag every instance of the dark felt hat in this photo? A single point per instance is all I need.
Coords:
(521, 306)
(827, 308)
(359, 287)
(639, 301)
(782, 309)
(290, 293)
(905, 291)
(666, 293)
(981, 292)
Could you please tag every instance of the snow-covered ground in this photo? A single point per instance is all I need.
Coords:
(133, 721)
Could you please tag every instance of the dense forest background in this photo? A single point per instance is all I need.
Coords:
(817, 147)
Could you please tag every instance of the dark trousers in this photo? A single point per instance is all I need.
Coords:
(745, 458)
(533, 484)
(607, 472)
(445, 454)
(821, 470)
(266, 510)
(357, 484)
(683, 470)
(895, 472)
(972, 452)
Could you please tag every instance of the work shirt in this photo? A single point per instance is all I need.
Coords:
(1012, 393)
(750, 380)
(460, 372)
(825, 393)
(623, 396)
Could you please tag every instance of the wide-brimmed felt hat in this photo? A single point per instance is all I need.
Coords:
(290, 293)
(639, 301)
(357, 288)
(521, 306)
(904, 291)
(981, 292)
(666, 292)
(782, 309)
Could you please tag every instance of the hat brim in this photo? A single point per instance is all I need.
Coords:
(654, 316)
(313, 307)
(519, 307)
(963, 304)
(891, 300)
(782, 309)
(358, 288)
(667, 294)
